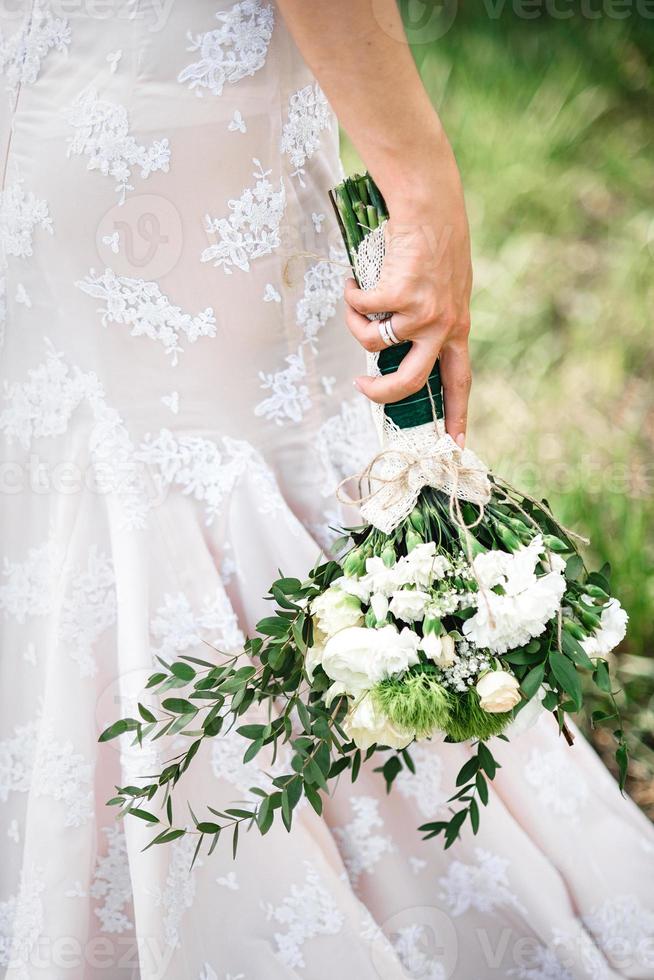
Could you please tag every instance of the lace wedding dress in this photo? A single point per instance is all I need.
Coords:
(177, 411)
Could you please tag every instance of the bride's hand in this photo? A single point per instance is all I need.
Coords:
(425, 283)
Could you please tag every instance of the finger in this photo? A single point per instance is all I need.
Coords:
(364, 330)
(456, 379)
(410, 377)
(382, 299)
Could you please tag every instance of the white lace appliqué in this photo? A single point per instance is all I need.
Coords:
(31, 584)
(308, 911)
(289, 397)
(308, 115)
(621, 924)
(233, 50)
(560, 787)
(344, 443)
(178, 893)
(21, 213)
(148, 312)
(43, 406)
(102, 134)
(22, 54)
(483, 886)
(177, 627)
(361, 848)
(426, 784)
(32, 760)
(411, 943)
(88, 610)
(210, 469)
(252, 228)
(111, 885)
(21, 923)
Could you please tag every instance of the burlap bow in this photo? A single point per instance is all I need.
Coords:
(412, 459)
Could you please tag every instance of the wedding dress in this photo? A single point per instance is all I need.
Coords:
(177, 411)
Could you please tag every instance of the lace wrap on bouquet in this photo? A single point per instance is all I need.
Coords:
(415, 453)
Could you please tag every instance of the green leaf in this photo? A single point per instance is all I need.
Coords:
(313, 797)
(143, 815)
(184, 671)
(574, 568)
(206, 827)
(251, 731)
(303, 714)
(273, 626)
(602, 677)
(180, 706)
(253, 750)
(487, 761)
(474, 816)
(622, 759)
(166, 837)
(119, 728)
(468, 771)
(145, 713)
(482, 788)
(533, 680)
(573, 649)
(567, 676)
(289, 586)
(155, 679)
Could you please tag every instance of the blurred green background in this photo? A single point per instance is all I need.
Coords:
(552, 121)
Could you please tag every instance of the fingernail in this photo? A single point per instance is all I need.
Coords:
(461, 440)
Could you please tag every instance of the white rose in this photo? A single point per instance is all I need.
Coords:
(313, 656)
(612, 630)
(335, 610)
(440, 649)
(498, 691)
(357, 658)
(409, 604)
(367, 725)
(422, 565)
(360, 587)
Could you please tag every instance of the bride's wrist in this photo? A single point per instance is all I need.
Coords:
(414, 181)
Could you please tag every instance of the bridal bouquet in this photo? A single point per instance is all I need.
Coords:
(459, 611)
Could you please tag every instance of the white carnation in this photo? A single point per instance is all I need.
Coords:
(422, 565)
(612, 630)
(335, 610)
(503, 622)
(409, 604)
(367, 725)
(357, 658)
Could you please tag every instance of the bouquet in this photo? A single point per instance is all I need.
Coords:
(460, 611)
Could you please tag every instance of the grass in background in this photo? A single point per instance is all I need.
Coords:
(551, 124)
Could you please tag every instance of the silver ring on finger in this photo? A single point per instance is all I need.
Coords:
(391, 333)
(386, 333)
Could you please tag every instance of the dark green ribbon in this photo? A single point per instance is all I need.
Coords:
(416, 409)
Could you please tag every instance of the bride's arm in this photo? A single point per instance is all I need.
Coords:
(359, 54)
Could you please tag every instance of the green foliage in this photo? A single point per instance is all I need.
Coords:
(416, 701)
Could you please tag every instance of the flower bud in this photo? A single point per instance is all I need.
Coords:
(431, 624)
(555, 544)
(573, 629)
(354, 564)
(417, 521)
(412, 539)
(388, 555)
